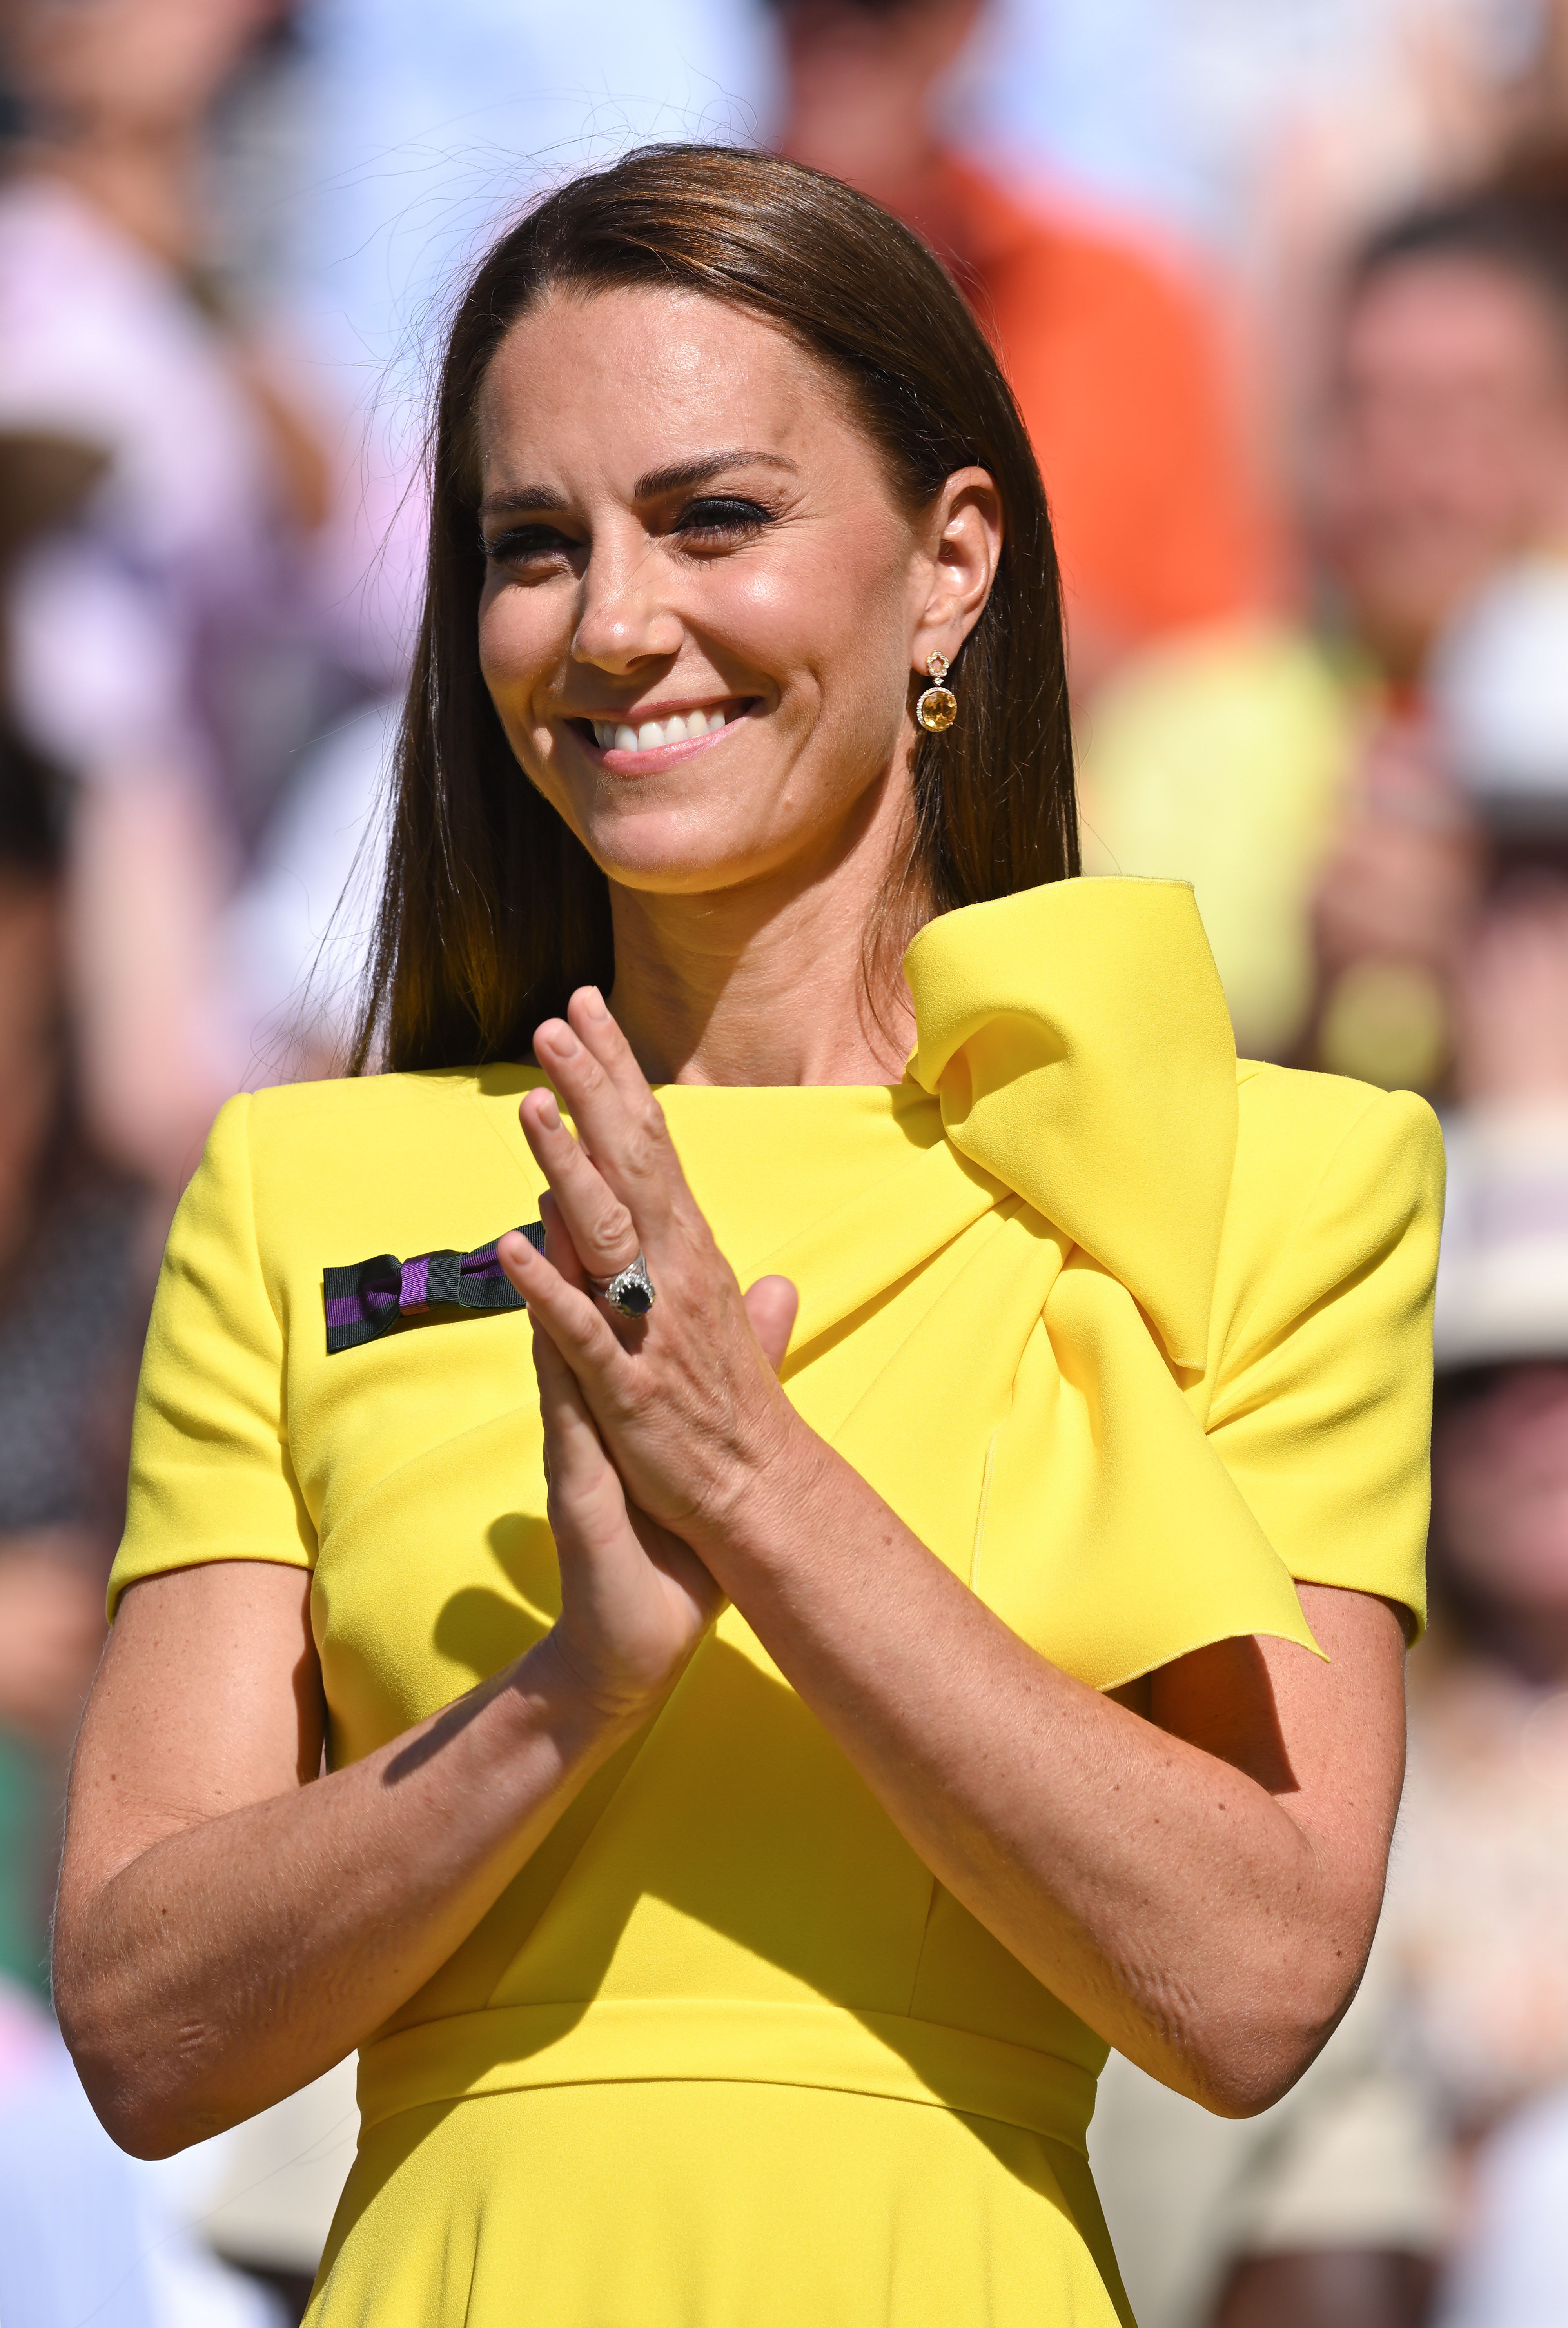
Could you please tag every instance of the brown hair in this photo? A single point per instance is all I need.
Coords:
(491, 910)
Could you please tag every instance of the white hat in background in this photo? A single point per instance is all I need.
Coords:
(1502, 1281)
(1498, 685)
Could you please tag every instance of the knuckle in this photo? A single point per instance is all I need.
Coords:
(643, 1146)
(614, 1226)
(573, 1327)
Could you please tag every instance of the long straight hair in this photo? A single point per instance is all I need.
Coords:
(493, 911)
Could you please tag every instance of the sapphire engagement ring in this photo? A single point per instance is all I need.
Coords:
(630, 1291)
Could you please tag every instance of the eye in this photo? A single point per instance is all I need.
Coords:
(722, 516)
(522, 545)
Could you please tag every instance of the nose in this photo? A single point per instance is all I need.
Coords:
(624, 617)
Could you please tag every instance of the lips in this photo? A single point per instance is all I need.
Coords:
(648, 734)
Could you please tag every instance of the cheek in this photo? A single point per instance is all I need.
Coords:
(843, 630)
(518, 645)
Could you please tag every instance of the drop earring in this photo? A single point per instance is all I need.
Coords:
(937, 707)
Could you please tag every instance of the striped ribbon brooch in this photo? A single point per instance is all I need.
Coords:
(368, 1299)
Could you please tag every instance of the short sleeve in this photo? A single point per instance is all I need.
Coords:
(211, 1477)
(1322, 1405)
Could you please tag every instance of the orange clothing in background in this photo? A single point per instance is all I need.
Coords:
(1118, 369)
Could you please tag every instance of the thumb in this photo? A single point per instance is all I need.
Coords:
(771, 1305)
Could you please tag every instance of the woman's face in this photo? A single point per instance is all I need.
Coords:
(703, 600)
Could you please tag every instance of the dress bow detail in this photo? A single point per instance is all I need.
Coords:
(367, 1298)
(1077, 1038)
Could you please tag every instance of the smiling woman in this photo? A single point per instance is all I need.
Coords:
(732, 1762)
(710, 394)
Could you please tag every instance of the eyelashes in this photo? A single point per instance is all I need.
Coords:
(717, 515)
(711, 521)
(521, 543)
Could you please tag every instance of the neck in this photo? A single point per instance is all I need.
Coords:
(148, 183)
(766, 981)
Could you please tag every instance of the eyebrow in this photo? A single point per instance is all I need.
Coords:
(679, 476)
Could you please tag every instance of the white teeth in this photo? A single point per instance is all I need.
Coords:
(618, 735)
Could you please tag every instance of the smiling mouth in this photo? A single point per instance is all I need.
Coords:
(652, 735)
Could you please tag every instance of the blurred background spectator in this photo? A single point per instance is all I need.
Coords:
(1110, 336)
(171, 647)
(1435, 500)
(1282, 286)
(73, 1269)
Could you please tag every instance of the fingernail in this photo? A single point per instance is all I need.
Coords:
(549, 1115)
(562, 1039)
(593, 1002)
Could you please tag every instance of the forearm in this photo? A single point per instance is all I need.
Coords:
(1164, 1895)
(236, 1958)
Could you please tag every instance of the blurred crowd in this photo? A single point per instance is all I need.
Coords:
(1282, 289)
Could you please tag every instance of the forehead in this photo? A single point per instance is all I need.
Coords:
(630, 381)
(1454, 311)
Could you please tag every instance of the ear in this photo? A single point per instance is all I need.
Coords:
(964, 544)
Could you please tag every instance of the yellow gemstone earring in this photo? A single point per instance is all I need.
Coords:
(938, 707)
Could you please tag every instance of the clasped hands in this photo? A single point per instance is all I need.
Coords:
(657, 1429)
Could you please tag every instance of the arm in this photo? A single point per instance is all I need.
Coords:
(231, 1922)
(1200, 1885)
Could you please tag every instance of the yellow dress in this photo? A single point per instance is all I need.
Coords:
(1132, 1336)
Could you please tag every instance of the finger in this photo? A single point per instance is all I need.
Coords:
(563, 1253)
(594, 1024)
(573, 1448)
(574, 1321)
(598, 1225)
(772, 1305)
(628, 1142)
(559, 1249)
(584, 1501)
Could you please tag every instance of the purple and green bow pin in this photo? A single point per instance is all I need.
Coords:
(367, 1298)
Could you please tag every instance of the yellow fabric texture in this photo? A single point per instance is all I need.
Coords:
(1132, 1336)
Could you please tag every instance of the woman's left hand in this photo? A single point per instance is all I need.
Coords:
(686, 1399)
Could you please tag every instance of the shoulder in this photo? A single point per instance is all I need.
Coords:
(294, 1152)
(305, 1176)
(1293, 1127)
(300, 1134)
(353, 1121)
(1333, 1181)
(345, 1108)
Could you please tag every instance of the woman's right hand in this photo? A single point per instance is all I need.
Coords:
(635, 1601)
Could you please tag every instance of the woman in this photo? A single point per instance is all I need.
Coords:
(733, 1921)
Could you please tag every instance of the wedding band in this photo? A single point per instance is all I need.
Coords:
(630, 1291)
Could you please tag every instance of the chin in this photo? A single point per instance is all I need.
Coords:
(673, 872)
(677, 851)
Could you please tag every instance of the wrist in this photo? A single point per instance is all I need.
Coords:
(593, 1704)
(586, 1715)
(754, 1508)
